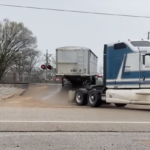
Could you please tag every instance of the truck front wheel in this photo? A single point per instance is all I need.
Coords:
(93, 99)
(81, 97)
(120, 105)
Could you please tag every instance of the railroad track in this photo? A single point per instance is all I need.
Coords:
(12, 83)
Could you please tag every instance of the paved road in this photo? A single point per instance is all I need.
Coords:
(45, 108)
(49, 104)
(75, 141)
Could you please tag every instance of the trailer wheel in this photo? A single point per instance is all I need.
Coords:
(81, 97)
(93, 99)
(120, 105)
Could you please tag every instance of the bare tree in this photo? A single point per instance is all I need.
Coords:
(14, 38)
(31, 61)
(27, 62)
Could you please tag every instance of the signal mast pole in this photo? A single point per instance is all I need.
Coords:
(47, 61)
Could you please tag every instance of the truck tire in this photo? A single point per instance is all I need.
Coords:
(93, 99)
(81, 97)
(120, 105)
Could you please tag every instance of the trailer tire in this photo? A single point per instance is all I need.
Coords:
(120, 105)
(81, 97)
(93, 99)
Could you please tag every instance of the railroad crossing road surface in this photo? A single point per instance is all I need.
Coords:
(46, 108)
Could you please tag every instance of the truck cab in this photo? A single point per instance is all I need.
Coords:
(124, 64)
(126, 77)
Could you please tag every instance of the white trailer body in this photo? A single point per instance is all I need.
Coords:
(75, 62)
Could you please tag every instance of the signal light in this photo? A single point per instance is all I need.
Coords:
(43, 67)
(49, 67)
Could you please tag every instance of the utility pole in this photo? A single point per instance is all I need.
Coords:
(148, 35)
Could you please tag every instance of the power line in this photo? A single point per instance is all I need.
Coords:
(75, 11)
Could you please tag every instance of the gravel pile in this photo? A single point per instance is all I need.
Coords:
(9, 90)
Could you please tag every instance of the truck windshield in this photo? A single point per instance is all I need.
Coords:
(141, 43)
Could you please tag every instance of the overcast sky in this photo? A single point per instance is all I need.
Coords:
(56, 29)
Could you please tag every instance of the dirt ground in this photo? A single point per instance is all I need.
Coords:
(41, 95)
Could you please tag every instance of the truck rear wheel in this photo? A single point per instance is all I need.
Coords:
(120, 105)
(93, 99)
(81, 97)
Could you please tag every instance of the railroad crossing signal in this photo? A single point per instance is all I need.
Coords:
(48, 67)
(43, 67)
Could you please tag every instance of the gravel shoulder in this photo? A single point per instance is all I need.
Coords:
(11, 90)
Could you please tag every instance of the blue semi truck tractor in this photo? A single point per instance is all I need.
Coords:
(126, 76)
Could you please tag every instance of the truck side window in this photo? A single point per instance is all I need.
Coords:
(119, 46)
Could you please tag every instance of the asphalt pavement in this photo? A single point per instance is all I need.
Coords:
(74, 141)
